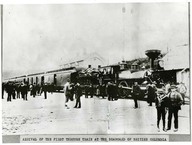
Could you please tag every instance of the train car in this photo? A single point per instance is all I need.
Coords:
(35, 78)
(16, 79)
(21, 79)
(54, 79)
(57, 78)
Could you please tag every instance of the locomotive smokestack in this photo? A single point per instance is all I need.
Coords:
(152, 54)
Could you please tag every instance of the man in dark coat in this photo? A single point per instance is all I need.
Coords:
(78, 90)
(9, 89)
(91, 90)
(3, 88)
(86, 91)
(72, 91)
(136, 92)
(175, 102)
(103, 91)
(14, 90)
(24, 91)
(44, 89)
(34, 90)
(18, 90)
(110, 91)
(161, 102)
(114, 92)
(151, 93)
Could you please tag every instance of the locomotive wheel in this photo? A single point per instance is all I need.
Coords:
(124, 93)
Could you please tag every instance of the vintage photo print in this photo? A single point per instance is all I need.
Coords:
(95, 72)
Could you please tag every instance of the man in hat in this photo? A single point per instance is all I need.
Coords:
(45, 89)
(151, 95)
(34, 90)
(86, 91)
(161, 104)
(136, 92)
(3, 88)
(67, 89)
(9, 89)
(103, 91)
(18, 90)
(182, 89)
(14, 90)
(78, 91)
(110, 91)
(91, 90)
(22, 91)
(175, 102)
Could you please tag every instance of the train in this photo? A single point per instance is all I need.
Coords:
(120, 74)
(54, 79)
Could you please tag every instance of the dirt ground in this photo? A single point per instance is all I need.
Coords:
(97, 116)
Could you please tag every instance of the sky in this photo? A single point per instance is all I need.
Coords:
(41, 37)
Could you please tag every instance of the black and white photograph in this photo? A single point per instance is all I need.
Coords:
(95, 72)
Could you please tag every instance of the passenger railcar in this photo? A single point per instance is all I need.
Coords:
(54, 79)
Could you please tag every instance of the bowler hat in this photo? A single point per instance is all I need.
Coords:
(160, 91)
(173, 86)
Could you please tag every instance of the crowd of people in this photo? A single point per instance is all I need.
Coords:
(20, 90)
(70, 90)
(167, 97)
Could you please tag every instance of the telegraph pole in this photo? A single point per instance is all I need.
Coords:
(189, 25)
(1, 40)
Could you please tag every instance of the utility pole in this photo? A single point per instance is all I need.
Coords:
(189, 25)
(2, 37)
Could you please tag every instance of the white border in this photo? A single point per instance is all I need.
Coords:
(84, 1)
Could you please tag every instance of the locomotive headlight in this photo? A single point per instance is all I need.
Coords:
(161, 63)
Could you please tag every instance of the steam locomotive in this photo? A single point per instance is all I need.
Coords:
(56, 79)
